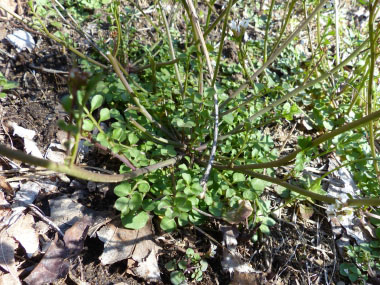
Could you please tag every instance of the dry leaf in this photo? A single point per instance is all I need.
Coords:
(148, 268)
(118, 243)
(240, 214)
(64, 212)
(29, 145)
(24, 232)
(121, 243)
(55, 263)
(8, 279)
(232, 260)
(5, 185)
(7, 258)
(305, 211)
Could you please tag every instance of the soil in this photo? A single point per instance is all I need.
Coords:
(297, 251)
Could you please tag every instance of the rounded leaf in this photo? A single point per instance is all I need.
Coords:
(104, 114)
(135, 221)
(87, 125)
(135, 201)
(177, 277)
(143, 186)
(168, 224)
(122, 189)
(96, 102)
(121, 204)
(182, 204)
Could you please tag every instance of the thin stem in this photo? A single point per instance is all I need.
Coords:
(269, 19)
(194, 19)
(371, 95)
(284, 160)
(154, 137)
(171, 48)
(142, 109)
(297, 90)
(274, 54)
(221, 44)
(81, 173)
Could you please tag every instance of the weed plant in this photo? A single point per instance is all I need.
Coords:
(190, 122)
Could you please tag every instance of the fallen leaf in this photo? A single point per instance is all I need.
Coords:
(24, 232)
(118, 243)
(64, 212)
(232, 261)
(240, 214)
(21, 40)
(8, 279)
(5, 185)
(121, 243)
(7, 258)
(305, 211)
(56, 262)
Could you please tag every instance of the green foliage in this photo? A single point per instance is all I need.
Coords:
(6, 85)
(155, 111)
(191, 267)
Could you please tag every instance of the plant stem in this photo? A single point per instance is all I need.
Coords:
(269, 18)
(371, 95)
(142, 109)
(296, 91)
(314, 143)
(81, 173)
(274, 54)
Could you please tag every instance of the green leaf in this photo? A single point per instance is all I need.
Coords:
(186, 177)
(238, 177)
(183, 219)
(135, 201)
(264, 229)
(171, 265)
(122, 189)
(122, 204)
(328, 125)
(143, 186)
(177, 278)
(67, 103)
(132, 138)
(87, 125)
(249, 195)
(168, 224)
(229, 118)
(258, 185)
(148, 205)
(182, 264)
(135, 221)
(104, 114)
(304, 142)
(96, 102)
(203, 264)
(183, 204)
